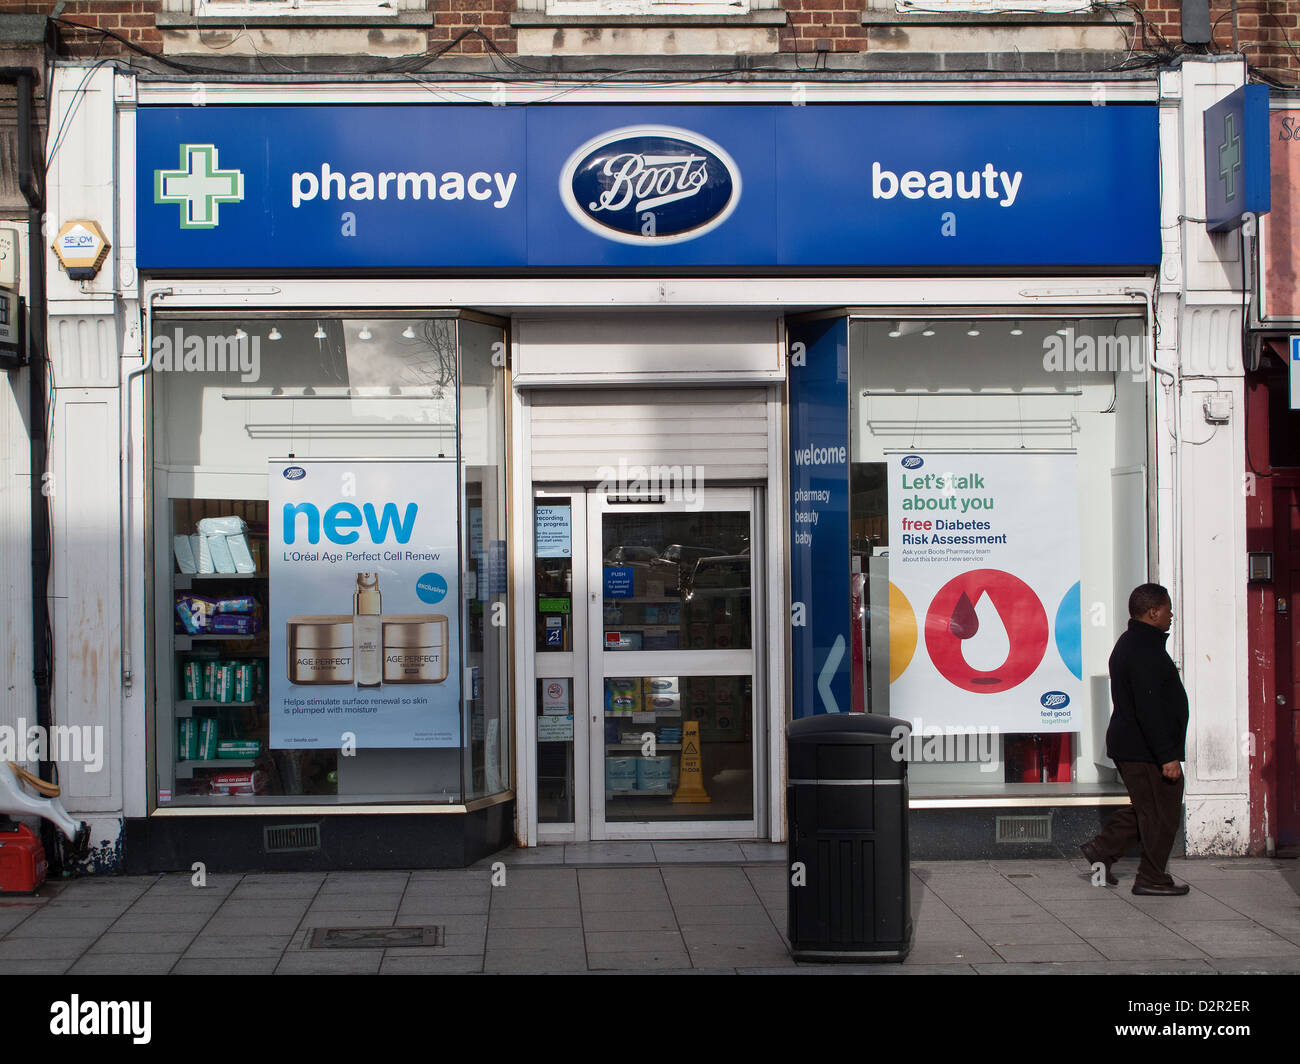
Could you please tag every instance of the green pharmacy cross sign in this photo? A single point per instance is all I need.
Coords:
(1229, 157)
(1236, 158)
(199, 187)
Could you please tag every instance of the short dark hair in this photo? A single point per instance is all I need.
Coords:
(1146, 597)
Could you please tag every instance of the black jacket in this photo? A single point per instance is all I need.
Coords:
(1149, 721)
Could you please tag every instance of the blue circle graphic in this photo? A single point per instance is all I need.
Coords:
(1069, 631)
(431, 588)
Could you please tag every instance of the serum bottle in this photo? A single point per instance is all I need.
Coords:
(367, 660)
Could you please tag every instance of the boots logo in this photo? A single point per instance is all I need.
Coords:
(198, 187)
(650, 185)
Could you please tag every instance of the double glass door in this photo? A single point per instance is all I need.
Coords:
(649, 716)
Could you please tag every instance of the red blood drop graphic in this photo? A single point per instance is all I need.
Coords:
(951, 618)
(964, 622)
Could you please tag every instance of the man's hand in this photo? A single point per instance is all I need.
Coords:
(1172, 770)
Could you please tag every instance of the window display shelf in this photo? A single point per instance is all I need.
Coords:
(185, 769)
(639, 794)
(637, 746)
(184, 581)
(185, 708)
(185, 642)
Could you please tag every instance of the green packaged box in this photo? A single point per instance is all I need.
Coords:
(187, 739)
(238, 748)
(207, 739)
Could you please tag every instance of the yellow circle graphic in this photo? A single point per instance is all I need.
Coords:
(902, 633)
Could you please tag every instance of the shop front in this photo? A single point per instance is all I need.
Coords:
(518, 473)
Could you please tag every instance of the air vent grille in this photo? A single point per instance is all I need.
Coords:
(291, 838)
(1024, 829)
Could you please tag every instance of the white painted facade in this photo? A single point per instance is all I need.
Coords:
(99, 447)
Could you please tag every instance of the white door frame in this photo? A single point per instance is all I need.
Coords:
(565, 664)
(750, 662)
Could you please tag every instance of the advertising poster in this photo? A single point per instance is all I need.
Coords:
(984, 624)
(364, 588)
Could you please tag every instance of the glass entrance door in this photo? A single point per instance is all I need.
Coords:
(673, 660)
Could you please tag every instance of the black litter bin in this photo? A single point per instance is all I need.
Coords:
(847, 809)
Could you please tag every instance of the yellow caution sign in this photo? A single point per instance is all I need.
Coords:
(690, 784)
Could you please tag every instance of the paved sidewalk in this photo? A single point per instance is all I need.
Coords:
(637, 907)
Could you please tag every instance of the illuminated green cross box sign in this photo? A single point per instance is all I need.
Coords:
(1236, 158)
(199, 186)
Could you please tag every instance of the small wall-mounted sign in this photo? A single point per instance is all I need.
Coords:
(1259, 568)
(81, 247)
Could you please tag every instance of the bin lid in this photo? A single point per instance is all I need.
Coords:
(844, 728)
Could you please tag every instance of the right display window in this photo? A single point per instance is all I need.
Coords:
(998, 520)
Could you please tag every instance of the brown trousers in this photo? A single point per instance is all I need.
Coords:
(1152, 819)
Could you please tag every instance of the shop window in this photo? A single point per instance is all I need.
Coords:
(329, 542)
(997, 524)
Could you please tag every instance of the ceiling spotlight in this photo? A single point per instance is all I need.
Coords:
(896, 331)
(1016, 330)
(365, 333)
(409, 333)
(1063, 331)
(973, 330)
(928, 330)
(275, 334)
(240, 334)
(320, 333)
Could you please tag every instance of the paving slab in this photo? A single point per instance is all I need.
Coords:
(331, 962)
(125, 964)
(639, 960)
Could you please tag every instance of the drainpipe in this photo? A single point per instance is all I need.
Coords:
(31, 183)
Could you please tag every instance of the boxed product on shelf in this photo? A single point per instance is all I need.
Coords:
(670, 735)
(204, 615)
(187, 739)
(207, 738)
(620, 773)
(623, 695)
(653, 773)
(236, 623)
(194, 612)
(662, 639)
(622, 640)
(249, 782)
(241, 748)
(227, 540)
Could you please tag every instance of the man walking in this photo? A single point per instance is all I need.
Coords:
(1146, 737)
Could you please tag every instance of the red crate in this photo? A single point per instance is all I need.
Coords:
(22, 860)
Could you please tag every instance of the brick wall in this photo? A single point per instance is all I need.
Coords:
(1269, 30)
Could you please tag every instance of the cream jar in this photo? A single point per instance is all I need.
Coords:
(319, 649)
(415, 647)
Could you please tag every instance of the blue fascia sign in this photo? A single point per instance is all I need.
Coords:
(450, 187)
(1236, 158)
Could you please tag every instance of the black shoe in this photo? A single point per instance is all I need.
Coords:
(1172, 890)
(1093, 858)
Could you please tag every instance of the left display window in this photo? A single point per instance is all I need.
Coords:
(328, 519)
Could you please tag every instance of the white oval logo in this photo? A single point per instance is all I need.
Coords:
(650, 185)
